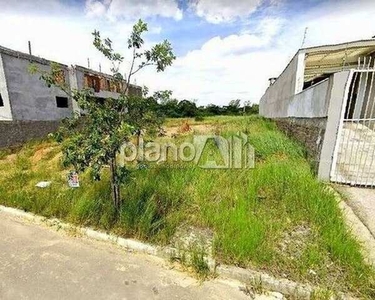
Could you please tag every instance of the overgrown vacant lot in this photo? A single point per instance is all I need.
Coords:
(275, 217)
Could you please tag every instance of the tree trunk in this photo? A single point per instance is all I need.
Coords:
(115, 187)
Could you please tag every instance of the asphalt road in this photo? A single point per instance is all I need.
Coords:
(37, 262)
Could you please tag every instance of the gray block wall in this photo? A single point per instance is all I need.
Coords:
(308, 131)
(14, 133)
(5, 111)
(31, 98)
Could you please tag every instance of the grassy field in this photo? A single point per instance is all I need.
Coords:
(276, 217)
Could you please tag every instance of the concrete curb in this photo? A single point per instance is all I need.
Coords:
(283, 286)
(360, 231)
(246, 276)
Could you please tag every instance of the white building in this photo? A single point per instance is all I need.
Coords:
(327, 96)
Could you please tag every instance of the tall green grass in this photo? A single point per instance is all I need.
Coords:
(250, 211)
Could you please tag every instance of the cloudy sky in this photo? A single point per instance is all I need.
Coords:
(226, 49)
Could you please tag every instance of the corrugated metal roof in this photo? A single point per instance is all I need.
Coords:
(330, 59)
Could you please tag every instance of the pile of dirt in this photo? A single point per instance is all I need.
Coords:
(185, 127)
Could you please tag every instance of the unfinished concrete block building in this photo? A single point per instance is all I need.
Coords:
(30, 109)
(325, 98)
(24, 96)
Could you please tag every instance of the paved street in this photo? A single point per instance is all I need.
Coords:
(39, 263)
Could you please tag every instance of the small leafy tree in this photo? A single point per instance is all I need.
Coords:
(246, 107)
(233, 107)
(94, 140)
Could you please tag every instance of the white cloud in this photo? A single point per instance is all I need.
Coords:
(218, 11)
(133, 9)
(222, 68)
(238, 66)
(34, 7)
(63, 39)
(96, 8)
(339, 22)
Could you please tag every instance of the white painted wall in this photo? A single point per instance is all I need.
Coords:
(275, 101)
(312, 102)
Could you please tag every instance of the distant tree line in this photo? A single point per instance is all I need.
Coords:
(165, 105)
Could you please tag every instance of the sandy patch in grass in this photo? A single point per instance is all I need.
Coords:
(39, 154)
(175, 131)
(11, 158)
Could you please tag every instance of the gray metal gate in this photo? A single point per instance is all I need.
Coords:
(354, 159)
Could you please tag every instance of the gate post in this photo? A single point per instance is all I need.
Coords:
(336, 110)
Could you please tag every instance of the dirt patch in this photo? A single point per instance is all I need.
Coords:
(9, 159)
(203, 129)
(40, 154)
(175, 131)
(57, 158)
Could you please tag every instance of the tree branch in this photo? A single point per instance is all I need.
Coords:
(130, 72)
(141, 67)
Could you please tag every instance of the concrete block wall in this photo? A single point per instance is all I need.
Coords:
(14, 133)
(5, 110)
(311, 102)
(308, 131)
(336, 109)
(30, 98)
(78, 74)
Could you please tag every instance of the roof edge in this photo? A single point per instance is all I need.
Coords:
(26, 56)
(352, 44)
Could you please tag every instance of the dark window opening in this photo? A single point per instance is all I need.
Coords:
(1, 101)
(62, 102)
(315, 81)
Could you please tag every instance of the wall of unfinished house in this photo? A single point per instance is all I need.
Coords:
(29, 107)
(5, 111)
(81, 79)
(14, 133)
(102, 85)
(31, 99)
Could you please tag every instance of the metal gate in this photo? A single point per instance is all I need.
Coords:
(354, 159)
